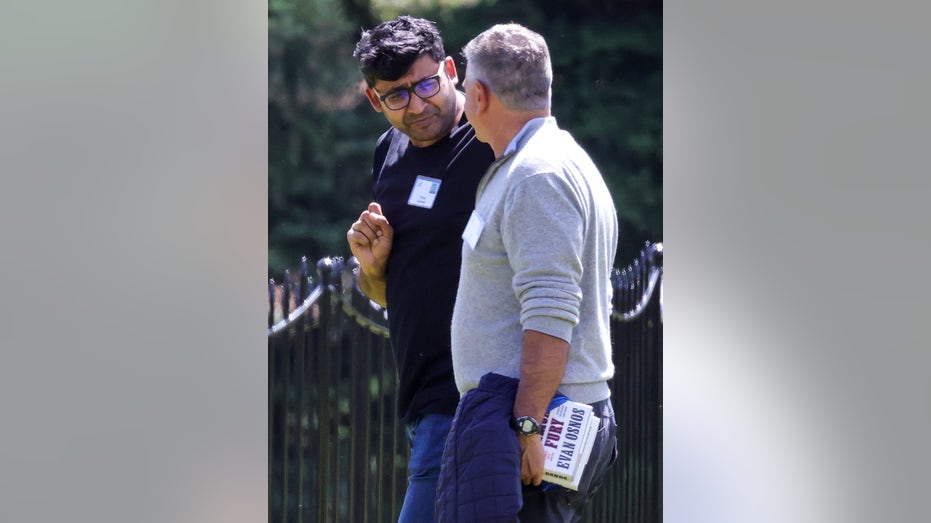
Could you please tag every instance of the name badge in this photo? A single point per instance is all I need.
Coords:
(473, 230)
(424, 192)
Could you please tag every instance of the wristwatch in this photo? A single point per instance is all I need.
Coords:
(525, 426)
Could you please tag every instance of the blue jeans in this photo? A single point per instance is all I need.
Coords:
(427, 437)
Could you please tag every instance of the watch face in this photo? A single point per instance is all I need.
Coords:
(527, 425)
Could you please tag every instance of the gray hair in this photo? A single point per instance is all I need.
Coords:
(514, 63)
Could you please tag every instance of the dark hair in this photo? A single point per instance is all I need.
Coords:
(388, 50)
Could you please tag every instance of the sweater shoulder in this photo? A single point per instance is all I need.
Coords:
(549, 150)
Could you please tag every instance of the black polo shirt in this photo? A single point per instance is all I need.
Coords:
(423, 268)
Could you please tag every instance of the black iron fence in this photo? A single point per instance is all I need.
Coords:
(336, 450)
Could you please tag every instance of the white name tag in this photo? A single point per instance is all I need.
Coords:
(424, 192)
(473, 230)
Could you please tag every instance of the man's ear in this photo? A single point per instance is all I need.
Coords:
(481, 96)
(449, 65)
(373, 98)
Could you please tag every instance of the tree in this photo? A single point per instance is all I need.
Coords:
(320, 131)
(607, 61)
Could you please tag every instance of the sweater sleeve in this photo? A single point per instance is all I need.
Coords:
(543, 233)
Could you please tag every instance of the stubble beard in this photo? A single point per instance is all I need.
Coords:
(441, 123)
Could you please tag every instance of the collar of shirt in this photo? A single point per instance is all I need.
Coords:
(526, 132)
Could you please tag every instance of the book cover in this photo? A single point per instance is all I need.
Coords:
(569, 430)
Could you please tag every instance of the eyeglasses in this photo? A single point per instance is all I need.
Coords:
(401, 98)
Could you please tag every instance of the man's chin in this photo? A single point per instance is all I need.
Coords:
(425, 126)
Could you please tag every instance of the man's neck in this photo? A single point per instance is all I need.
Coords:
(460, 106)
(509, 125)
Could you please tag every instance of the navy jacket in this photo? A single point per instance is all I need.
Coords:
(480, 474)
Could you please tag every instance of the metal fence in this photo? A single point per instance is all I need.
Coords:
(336, 450)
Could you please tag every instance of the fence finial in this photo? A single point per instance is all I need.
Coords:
(329, 269)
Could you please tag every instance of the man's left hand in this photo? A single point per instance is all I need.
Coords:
(531, 459)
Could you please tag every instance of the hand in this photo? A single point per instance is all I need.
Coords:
(370, 239)
(531, 459)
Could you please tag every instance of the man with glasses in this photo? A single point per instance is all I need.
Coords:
(409, 241)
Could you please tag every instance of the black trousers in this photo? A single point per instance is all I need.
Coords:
(557, 504)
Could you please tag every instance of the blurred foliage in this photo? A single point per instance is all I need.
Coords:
(321, 131)
(607, 91)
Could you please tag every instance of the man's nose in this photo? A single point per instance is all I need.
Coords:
(417, 104)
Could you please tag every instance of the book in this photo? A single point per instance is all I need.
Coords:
(569, 429)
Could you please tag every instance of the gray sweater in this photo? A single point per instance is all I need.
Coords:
(537, 254)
